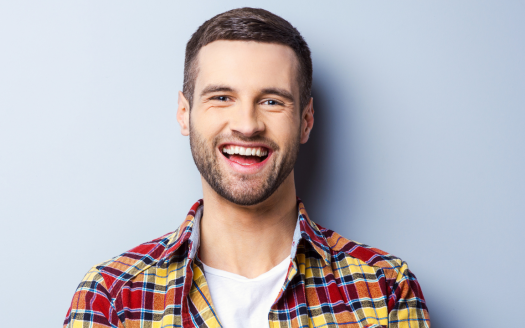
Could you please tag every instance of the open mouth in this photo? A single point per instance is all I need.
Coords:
(245, 155)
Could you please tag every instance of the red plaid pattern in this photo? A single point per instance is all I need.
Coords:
(331, 282)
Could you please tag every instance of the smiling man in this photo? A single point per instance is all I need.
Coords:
(248, 255)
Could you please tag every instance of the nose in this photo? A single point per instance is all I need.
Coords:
(245, 120)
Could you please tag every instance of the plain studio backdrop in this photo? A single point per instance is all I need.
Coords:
(417, 148)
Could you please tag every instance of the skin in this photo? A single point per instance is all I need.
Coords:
(258, 99)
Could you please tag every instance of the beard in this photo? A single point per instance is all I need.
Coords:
(243, 189)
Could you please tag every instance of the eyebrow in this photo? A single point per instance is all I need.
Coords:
(215, 88)
(279, 92)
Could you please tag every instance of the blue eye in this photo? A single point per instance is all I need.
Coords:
(222, 98)
(271, 102)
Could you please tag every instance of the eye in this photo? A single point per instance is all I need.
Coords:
(221, 98)
(271, 102)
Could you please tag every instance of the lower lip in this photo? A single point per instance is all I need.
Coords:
(247, 169)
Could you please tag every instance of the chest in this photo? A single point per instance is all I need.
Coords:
(313, 295)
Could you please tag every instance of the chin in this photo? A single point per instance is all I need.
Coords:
(246, 193)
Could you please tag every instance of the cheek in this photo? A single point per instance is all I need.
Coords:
(208, 123)
(283, 129)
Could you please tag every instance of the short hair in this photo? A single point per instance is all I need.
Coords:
(249, 24)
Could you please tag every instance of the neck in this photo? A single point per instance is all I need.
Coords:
(248, 240)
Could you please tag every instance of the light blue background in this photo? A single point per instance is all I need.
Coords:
(417, 149)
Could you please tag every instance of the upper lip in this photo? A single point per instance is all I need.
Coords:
(245, 145)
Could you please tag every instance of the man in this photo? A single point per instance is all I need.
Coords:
(248, 255)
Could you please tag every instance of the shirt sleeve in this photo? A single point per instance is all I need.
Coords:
(91, 305)
(406, 304)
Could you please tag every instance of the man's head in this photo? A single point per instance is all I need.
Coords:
(249, 24)
(248, 113)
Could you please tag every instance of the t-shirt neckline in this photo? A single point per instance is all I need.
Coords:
(225, 274)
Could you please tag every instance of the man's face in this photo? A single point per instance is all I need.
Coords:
(245, 123)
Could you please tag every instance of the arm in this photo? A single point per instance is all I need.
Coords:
(91, 305)
(406, 304)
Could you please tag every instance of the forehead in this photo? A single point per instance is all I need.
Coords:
(247, 64)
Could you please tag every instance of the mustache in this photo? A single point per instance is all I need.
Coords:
(237, 136)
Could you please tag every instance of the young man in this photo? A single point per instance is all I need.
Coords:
(248, 255)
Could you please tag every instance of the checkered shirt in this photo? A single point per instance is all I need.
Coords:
(331, 282)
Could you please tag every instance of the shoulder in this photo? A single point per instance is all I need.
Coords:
(343, 248)
(100, 294)
(116, 272)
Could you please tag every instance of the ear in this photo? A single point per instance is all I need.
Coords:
(307, 121)
(183, 115)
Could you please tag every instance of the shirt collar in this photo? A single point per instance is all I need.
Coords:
(311, 232)
(189, 232)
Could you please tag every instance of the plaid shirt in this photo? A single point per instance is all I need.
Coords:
(331, 282)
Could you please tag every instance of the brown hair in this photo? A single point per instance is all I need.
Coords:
(249, 24)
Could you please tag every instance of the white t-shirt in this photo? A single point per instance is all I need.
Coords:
(242, 302)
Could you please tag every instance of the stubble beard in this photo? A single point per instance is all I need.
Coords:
(242, 189)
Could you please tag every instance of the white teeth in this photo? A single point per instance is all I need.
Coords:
(245, 151)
